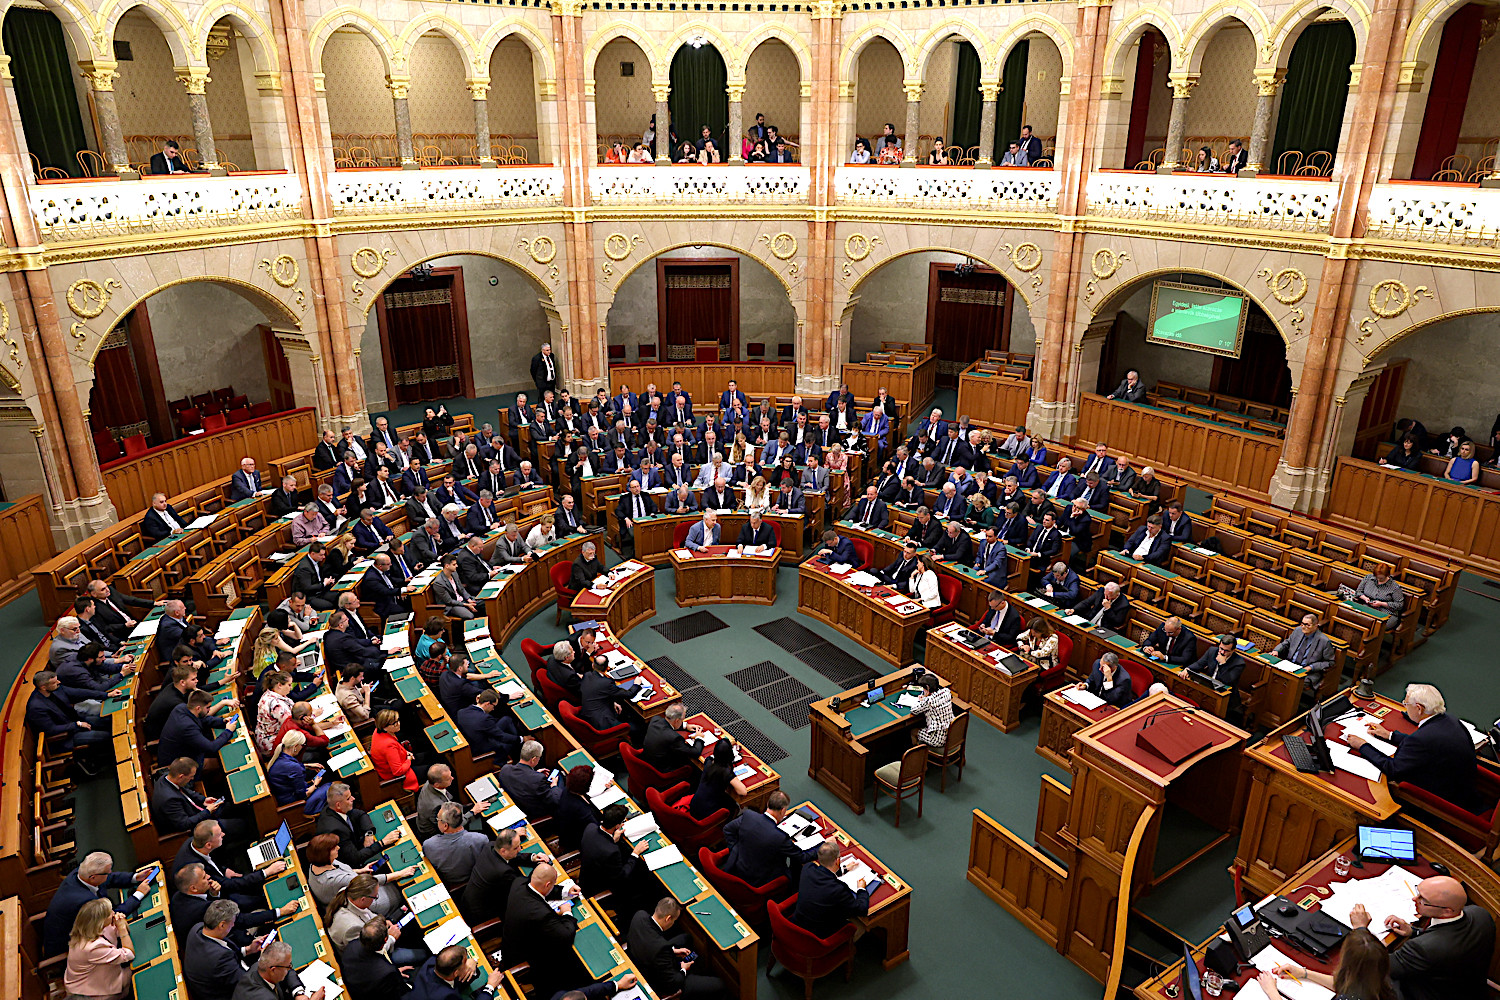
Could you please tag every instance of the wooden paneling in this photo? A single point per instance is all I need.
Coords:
(25, 541)
(911, 387)
(189, 463)
(706, 383)
(993, 401)
(1208, 455)
(1431, 515)
(1018, 877)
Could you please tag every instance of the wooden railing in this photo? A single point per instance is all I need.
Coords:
(991, 399)
(1122, 902)
(910, 385)
(25, 541)
(1208, 455)
(705, 383)
(188, 463)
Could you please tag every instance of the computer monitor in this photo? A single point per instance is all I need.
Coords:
(1378, 843)
(1192, 978)
(1315, 723)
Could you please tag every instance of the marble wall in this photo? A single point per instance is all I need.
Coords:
(206, 337)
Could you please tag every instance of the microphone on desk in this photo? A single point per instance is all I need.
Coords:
(1150, 720)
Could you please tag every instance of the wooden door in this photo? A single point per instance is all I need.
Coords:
(424, 338)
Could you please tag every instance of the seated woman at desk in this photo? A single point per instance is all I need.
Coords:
(1463, 467)
(758, 495)
(718, 788)
(1405, 455)
(935, 706)
(923, 583)
(574, 810)
(787, 469)
(391, 757)
(1039, 643)
(544, 532)
(1108, 680)
(837, 460)
(288, 776)
(326, 875)
(1363, 973)
(981, 513)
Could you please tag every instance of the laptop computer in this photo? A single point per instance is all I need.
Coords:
(275, 846)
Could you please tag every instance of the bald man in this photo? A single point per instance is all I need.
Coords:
(1446, 954)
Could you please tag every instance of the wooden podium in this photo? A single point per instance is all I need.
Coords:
(1104, 828)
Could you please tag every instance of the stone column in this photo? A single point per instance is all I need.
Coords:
(101, 77)
(480, 89)
(990, 89)
(193, 80)
(736, 137)
(1267, 82)
(400, 87)
(1182, 88)
(660, 92)
(914, 90)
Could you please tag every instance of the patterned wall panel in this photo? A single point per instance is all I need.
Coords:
(150, 99)
(1223, 103)
(623, 104)
(773, 86)
(439, 100)
(878, 95)
(512, 97)
(1043, 85)
(358, 100)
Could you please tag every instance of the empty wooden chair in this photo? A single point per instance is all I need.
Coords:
(903, 778)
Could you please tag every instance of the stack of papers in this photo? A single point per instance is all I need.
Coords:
(839, 569)
(856, 872)
(324, 706)
(394, 641)
(344, 758)
(448, 932)
(319, 975)
(507, 817)
(907, 700)
(1286, 665)
(1347, 760)
(658, 859)
(1391, 893)
(202, 522)
(602, 779)
(862, 579)
(426, 899)
(1082, 697)
(896, 600)
(611, 795)
(640, 826)
(1360, 726)
(512, 690)
(684, 554)
(733, 554)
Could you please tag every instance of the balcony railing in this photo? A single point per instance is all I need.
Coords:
(759, 184)
(443, 189)
(1297, 204)
(1461, 215)
(108, 208)
(1012, 189)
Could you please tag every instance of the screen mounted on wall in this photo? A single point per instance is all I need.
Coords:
(1197, 318)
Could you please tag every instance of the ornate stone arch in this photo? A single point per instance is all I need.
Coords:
(544, 66)
(1423, 34)
(782, 33)
(174, 26)
(250, 25)
(734, 65)
(84, 28)
(624, 29)
(1124, 37)
(1039, 24)
(354, 17)
(1287, 30)
(988, 69)
(468, 46)
(1200, 35)
(903, 45)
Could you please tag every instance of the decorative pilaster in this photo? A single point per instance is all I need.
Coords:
(193, 80)
(101, 77)
(1182, 89)
(990, 91)
(1267, 82)
(480, 90)
(660, 92)
(736, 151)
(914, 90)
(400, 88)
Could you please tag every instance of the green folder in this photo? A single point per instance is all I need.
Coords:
(532, 715)
(245, 784)
(403, 854)
(235, 754)
(113, 704)
(149, 936)
(411, 688)
(432, 916)
(1121, 641)
(400, 672)
(302, 933)
(574, 759)
(721, 922)
(595, 949)
(240, 613)
(444, 736)
(158, 980)
(419, 883)
(681, 881)
(385, 818)
(867, 718)
(283, 889)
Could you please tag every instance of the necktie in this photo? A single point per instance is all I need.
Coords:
(1297, 652)
(1041, 540)
(638, 512)
(869, 506)
(984, 551)
(401, 562)
(948, 455)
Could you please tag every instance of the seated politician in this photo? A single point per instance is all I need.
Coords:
(902, 567)
(1107, 606)
(704, 534)
(871, 510)
(1438, 757)
(1221, 663)
(1109, 680)
(836, 549)
(756, 532)
(1148, 543)
(1060, 585)
(1171, 643)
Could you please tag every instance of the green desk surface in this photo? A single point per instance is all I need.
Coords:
(241, 613)
(385, 818)
(595, 949)
(721, 923)
(235, 754)
(245, 784)
(158, 981)
(411, 687)
(220, 675)
(149, 936)
(681, 881)
(301, 932)
(419, 883)
(1365, 609)
(868, 718)
(532, 715)
(1121, 641)
(113, 704)
(444, 736)
(573, 759)
(153, 900)
(283, 889)
(407, 671)
(403, 854)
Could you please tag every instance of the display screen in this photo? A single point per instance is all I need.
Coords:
(1197, 318)
(1384, 844)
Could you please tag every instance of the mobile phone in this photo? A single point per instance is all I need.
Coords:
(151, 875)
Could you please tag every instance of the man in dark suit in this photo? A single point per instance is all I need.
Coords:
(544, 370)
(610, 863)
(1148, 543)
(112, 609)
(273, 978)
(1002, 622)
(212, 964)
(901, 568)
(195, 891)
(494, 875)
(170, 161)
(825, 904)
(603, 700)
(1109, 680)
(1235, 158)
(719, 496)
(663, 960)
(309, 579)
(50, 712)
(561, 669)
(161, 520)
(1131, 389)
(926, 530)
(955, 546)
(756, 532)
(186, 731)
(1308, 647)
(357, 841)
(634, 504)
(343, 647)
(759, 851)
(346, 473)
(533, 933)
(245, 483)
(473, 568)
(1171, 643)
(285, 499)
(487, 729)
(82, 885)
(1446, 953)
(990, 558)
(1095, 491)
(368, 974)
(837, 549)
(1059, 585)
(952, 450)
(459, 684)
(787, 500)
(1438, 757)
(1221, 663)
(175, 805)
(527, 784)
(207, 839)
(565, 518)
(382, 588)
(1045, 543)
(1107, 606)
(1177, 526)
(664, 747)
(871, 511)
(328, 452)
(585, 568)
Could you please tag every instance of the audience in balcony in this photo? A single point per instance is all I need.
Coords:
(1463, 467)
(1205, 162)
(1236, 157)
(888, 138)
(686, 153)
(757, 154)
(1449, 447)
(617, 153)
(1405, 455)
(780, 152)
(170, 161)
(938, 157)
(889, 153)
(861, 152)
(709, 153)
(1030, 145)
(1015, 157)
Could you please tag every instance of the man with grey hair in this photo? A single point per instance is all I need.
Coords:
(665, 748)
(494, 874)
(586, 568)
(473, 568)
(308, 526)
(384, 590)
(1107, 606)
(481, 517)
(433, 795)
(526, 782)
(544, 369)
(212, 964)
(273, 978)
(1438, 756)
(333, 512)
(560, 669)
(284, 498)
(358, 845)
(453, 850)
(82, 885)
(511, 548)
(1109, 681)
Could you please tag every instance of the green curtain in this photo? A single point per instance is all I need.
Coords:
(44, 87)
(1012, 101)
(699, 96)
(968, 102)
(1317, 85)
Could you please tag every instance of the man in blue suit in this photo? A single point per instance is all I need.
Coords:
(161, 519)
(935, 427)
(1148, 543)
(760, 852)
(169, 630)
(1024, 472)
(871, 511)
(343, 648)
(186, 731)
(836, 549)
(480, 519)
(1438, 757)
(487, 729)
(1046, 542)
(415, 477)
(824, 903)
(788, 500)
(728, 396)
(875, 425)
(50, 711)
(703, 534)
(1177, 526)
(245, 483)
(952, 450)
(452, 491)
(382, 587)
(647, 475)
(1095, 491)
(1059, 585)
(1012, 527)
(1099, 463)
(949, 503)
(989, 558)
(85, 884)
(370, 532)
(1062, 484)
(681, 501)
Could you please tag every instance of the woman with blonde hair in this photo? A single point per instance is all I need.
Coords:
(738, 448)
(352, 908)
(758, 495)
(287, 775)
(544, 532)
(99, 954)
(837, 460)
(340, 556)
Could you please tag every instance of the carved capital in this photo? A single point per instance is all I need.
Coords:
(101, 75)
(399, 86)
(660, 92)
(989, 90)
(192, 78)
(1411, 76)
(1269, 80)
(846, 90)
(913, 90)
(568, 8)
(320, 83)
(547, 89)
(268, 82)
(1182, 85)
(823, 9)
(736, 92)
(478, 89)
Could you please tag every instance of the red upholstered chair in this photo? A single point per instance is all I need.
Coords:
(262, 409)
(188, 419)
(755, 352)
(644, 775)
(775, 530)
(536, 654)
(645, 352)
(683, 828)
(238, 403)
(135, 445)
(866, 550)
(679, 533)
(600, 743)
(748, 900)
(1479, 832)
(617, 352)
(552, 694)
(784, 352)
(802, 952)
(1053, 678)
(561, 573)
(224, 395)
(238, 415)
(105, 446)
(215, 422)
(949, 589)
(1140, 676)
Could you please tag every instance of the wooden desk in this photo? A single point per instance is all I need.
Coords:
(846, 731)
(156, 970)
(714, 576)
(760, 784)
(1291, 817)
(1061, 720)
(993, 694)
(993, 400)
(630, 600)
(663, 693)
(890, 905)
(528, 709)
(912, 386)
(654, 535)
(861, 613)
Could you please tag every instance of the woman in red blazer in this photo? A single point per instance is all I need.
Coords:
(389, 755)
